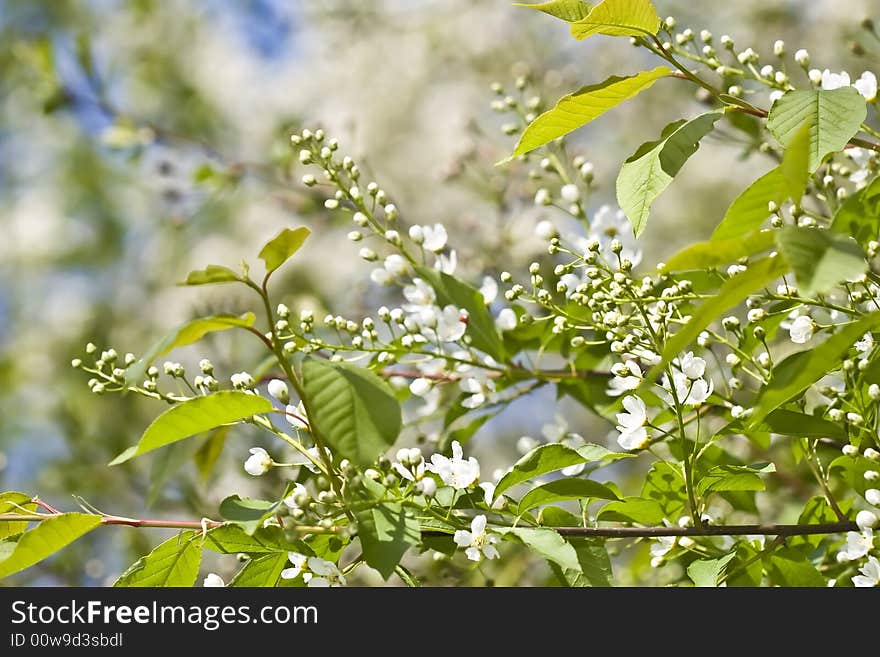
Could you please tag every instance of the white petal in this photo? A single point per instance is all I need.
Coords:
(402, 471)
(290, 573)
(488, 492)
(478, 525)
(490, 551)
(473, 554)
(297, 559)
(213, 579)
(636, 439)
(462, 538)
(321, 566)
(457, 452)
(318, 582)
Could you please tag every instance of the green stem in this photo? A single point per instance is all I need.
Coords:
(277, 349)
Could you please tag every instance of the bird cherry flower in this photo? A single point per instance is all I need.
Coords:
(419, 295)
(690, 392)
(489, 495)
(870, 574)
(832, 81)
(316, 572)
(296, 416)
(858, 544)
(259, 462)
(627, 376)
(278, 389)
(693, 367)
(324, 574)
(866, 520)
(446, 263)
(867, 86)
(435, 237)
(801, 330)
(865, 345)
(506, 320)
(489, 290)
(570, 193)
(455, 471)
(477, 542)
(296, 496)
(480, 390)
(410, 464)
(660, 549)
(631, 425)
(212, 580)
(450, 324)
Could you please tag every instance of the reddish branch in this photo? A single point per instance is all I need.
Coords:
(587, 532)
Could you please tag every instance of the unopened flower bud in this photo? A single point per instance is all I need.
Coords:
(866, 520)
(848, 450)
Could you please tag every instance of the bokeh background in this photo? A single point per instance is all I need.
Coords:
(141, 139)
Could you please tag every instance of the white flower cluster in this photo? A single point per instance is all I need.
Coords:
(316, 572)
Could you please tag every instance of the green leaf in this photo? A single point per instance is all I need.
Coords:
(281, 247)
(732, 292)
(652, 167)
(173, 563)
(210, 275)
(196, 416)
(45, 539)
(795, 164)
(209, 452)
(799, 371)
(633, 509)
(853, 471)
(790, 568)
(705, 572)
(247, 512)
(480, 325)
(751, 209)
(546, 543)
(262, 571)
(590, 391)
(619, 18)
(165, 465)
(564, 489)
(816, 511)
(14, 502)
(232, 539)
(354, 410)
(715, 252)
(554, 516)
(595, 564)
(579, 108)
(664, 484)
(733, 478)
(859, 216)
(550, 458)
(386, 532)
(567, 10)
(408, 578)
(189, 333)
(791, 423)
(820, 259)
(831, 117)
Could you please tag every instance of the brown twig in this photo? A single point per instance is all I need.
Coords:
(586, 532)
